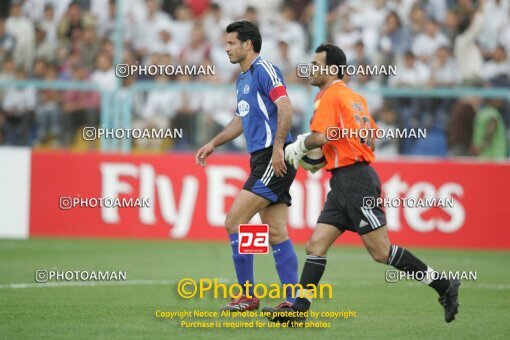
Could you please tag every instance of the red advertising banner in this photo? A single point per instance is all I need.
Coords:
(185, 201)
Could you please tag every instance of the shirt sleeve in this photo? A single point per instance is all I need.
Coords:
(271, 81)
(324, 116)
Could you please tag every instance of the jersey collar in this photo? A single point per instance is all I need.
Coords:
(251, 65)
(338, 81)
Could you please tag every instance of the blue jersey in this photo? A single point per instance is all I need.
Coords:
(257, 91)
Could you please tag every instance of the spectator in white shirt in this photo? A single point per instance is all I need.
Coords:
(49, 24)
(437, 9)
(7, 41)
(149, 29)
(48, 115)
(394, 40)
(444, 71)
(387, 120)
(215, 21)
(23, 30)
(410, 73)
(198, 50)
(44, 49)
(285, 62)
(495, 17)
(106, 20)
(347, 37)
(252, 15)
(104, 75)
(166, 43)
(418, 19)
(34, 9)
(426, 44)
(160, 107)
(183, 25)
(450, 24)
(466, 50)
(504, 34)
(161, 104)
(7, 72)
(232, 9)
(290, 31)
(496, 71)
(18, 106)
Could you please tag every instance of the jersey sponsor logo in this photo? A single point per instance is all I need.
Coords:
(246, 89)
(243, 108)
(253, 239)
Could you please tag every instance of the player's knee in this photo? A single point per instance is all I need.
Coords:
(379, 256)
(277, 235)
(231, 223)
(273, 240)
(313, 247)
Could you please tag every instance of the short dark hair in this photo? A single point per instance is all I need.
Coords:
(247, 31)
(334, 56)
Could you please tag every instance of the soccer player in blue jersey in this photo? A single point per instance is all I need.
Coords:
(264, 114)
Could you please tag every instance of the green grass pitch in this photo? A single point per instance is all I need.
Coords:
(113, 310)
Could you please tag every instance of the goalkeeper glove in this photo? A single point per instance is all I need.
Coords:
(295, 151)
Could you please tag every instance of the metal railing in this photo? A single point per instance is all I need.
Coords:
(116, 108)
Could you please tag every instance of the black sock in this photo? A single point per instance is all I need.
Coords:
(404, 260)
(312, 273)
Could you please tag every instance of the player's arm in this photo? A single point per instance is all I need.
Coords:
(315, 140)
(284, 122)
(304, 143)
(270, 81)
(322, 120)
(233, 130)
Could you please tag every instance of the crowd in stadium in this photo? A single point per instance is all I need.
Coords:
(434, 43)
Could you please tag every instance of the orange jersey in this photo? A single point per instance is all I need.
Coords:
(342, 115)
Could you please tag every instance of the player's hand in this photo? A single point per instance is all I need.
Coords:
(278, 160)
(295, 151)
(204, 152)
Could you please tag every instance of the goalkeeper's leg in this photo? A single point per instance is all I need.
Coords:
(379, 247)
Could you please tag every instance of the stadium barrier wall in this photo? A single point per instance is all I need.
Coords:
(189, 202)
(14, 192)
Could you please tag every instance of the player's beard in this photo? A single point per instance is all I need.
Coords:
(234, 60)
(316, 81)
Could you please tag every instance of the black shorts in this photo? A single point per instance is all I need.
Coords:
(263, 181)
(350, 203)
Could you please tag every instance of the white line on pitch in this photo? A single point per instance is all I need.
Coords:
(135, 282)
(465, 284)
